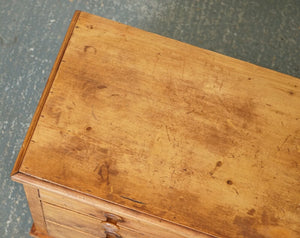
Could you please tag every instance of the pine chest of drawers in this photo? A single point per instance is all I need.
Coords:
(137, 135)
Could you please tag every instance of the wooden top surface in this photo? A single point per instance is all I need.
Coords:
(171, 130)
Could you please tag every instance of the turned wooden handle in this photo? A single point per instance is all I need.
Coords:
(112, 218)
(110, 227)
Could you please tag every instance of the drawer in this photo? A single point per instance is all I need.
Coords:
(72, 204)
(59, 231)
(84, 224)
(73, 220)
(88, 216)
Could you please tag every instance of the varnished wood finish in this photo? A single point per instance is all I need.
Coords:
(73, 219)
(91, 225)
(36, 234)
(58, 231)
(35, 206)
(128, 220)
(73, 204)
(168, 130)
(95, 206)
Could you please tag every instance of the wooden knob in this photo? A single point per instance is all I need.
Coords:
(112, 218)
(110, 227)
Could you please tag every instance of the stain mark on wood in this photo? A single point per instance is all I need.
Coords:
(104, 150)
(131, 199)
(101, 87)
(103, 172)
(229, 182)
(189, 112)
(246, 227)
(55, 113)
(90, 49)
(268, 218)
(251, 212)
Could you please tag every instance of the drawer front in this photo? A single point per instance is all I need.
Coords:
(74, 220)
(84, 224)
(72, 204)
(58, 231)
(94, 213)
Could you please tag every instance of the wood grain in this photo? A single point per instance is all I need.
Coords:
(53, 193)
(58, 231)
(171, 130)
(91, 225)
(37, 234)
(36, 209)
(73, 220)
(90, 210)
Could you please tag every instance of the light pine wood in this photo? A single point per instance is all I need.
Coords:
(127, 221)
(170, 131)
(58, 231)
(90, 225)
(73, 204)
(35, 206)
(93, 206)
(36, 234)
(73, 219)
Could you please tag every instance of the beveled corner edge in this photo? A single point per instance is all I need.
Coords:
(44, 96)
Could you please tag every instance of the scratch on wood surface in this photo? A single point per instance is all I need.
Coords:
(236, 191)
(286, 140)
(221, 85)
(93, 114)
(155, 63)
(218, 164)
(168, 133)
(183, 68)
(130, 199)
(282, 144)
